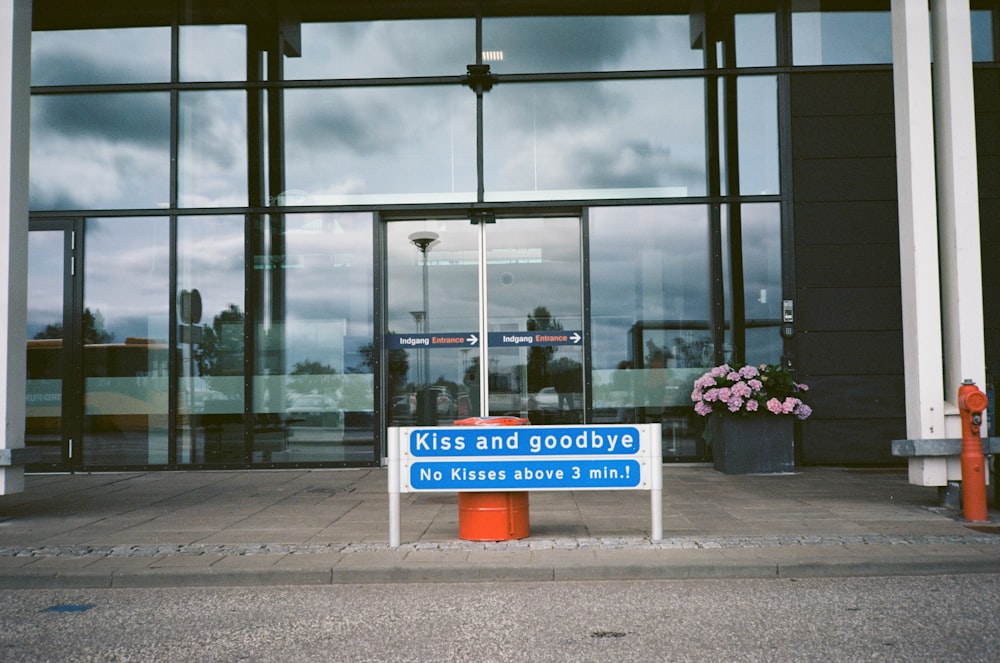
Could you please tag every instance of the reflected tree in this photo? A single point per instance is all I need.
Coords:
(688, 352)
(220, 353)
(304, 376)
(539, 356)
(93, 329)
(399, 365)
(656, 356)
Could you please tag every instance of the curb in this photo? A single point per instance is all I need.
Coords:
(522, 566)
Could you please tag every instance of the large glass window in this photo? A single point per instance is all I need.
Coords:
(212, 151)
(755, 40)
(611, 139)
(370, 145)
(761, 232)
(100, 151)
(315, 359)
(982, 35)
(125, 334)
(47, 341)
(384, 49)
(588, 43)
(757, 104)
(821, 35)
(210, 283)
(87, 57)
(213, 53)
(651, 330)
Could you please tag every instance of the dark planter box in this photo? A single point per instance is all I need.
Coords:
(762, 444)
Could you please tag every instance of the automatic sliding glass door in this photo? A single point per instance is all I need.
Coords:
(505, 295)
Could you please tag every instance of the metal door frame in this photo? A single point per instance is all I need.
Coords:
(71, 457)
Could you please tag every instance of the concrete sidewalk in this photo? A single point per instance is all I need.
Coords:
(332, 526)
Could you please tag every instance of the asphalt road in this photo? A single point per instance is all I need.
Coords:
(954, 618)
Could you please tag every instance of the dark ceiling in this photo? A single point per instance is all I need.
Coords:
(65, 14)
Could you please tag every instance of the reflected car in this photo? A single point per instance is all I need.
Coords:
(314, 410)
(404, 405)
(547, 398)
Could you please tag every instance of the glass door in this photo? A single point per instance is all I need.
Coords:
(507, 295)
(51, 378)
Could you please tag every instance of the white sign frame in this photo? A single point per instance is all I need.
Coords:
(526, 446)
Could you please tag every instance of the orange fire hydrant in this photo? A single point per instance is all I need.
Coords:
(971, 403)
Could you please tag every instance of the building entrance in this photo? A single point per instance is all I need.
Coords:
(485, 317)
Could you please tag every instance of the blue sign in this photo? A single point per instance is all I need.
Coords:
(520, 339)
(526, 441)
(534, 338)
(432, 341)
(525, 474)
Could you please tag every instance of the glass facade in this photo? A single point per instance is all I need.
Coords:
(125, 334)
(314, 361)
(272, 223)
(372, 145)
(599, 139)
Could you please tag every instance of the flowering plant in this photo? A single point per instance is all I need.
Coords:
(749, 389)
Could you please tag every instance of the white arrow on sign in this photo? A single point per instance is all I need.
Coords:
(473, 339)
(575, 337)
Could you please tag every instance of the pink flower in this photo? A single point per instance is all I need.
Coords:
(749, 389)
(741, 389)
(704, 381)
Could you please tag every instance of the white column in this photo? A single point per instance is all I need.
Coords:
(15, 81)
(918, 238)
(958, 201)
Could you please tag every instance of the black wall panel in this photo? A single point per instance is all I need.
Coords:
(852, 309)
(825, 137)
(867, 265)
(848, 345)
(845, 222)
(847, 93)
(834, 440)
(987, 86)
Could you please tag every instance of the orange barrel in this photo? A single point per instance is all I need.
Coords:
(494, 516)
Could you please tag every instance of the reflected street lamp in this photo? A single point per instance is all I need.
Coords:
(418, 321)
(426, 407)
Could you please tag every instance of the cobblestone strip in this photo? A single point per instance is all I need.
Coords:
(608, 543)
